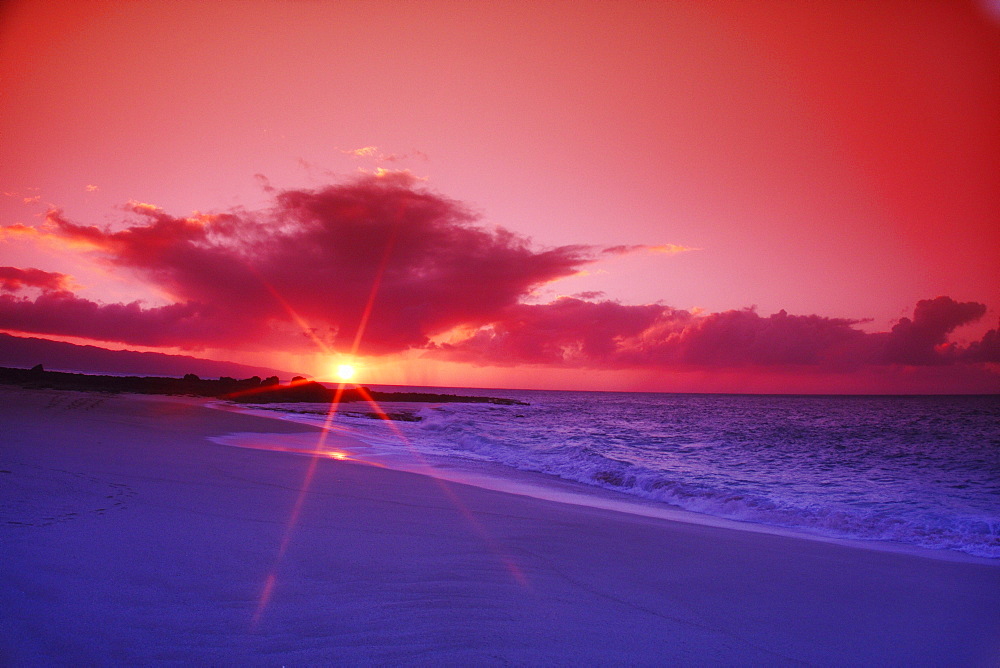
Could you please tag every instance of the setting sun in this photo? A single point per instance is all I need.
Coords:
(553, 315)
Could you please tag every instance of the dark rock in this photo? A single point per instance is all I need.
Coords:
(248, 390)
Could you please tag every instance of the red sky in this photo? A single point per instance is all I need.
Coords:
(834, 161)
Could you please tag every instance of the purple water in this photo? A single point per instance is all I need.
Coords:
(922, 471)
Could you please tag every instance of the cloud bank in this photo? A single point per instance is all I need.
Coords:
(303, 273)
(573, 332)
(244, 279)
(13, 279)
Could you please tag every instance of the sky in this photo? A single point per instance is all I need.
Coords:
(648, 196)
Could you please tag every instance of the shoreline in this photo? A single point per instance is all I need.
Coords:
(139, 539)
(535, 484)
(547, 487)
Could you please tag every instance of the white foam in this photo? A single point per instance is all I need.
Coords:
(491, 447)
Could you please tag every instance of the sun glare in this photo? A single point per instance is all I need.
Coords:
(345, 372)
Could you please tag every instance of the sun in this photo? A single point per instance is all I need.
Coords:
(345, 372)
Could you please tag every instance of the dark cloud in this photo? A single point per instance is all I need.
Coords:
(245, 277)
(924, 339)
(264, 183)
(623, 250)
(572, 332)
(13, 279)
(305, 269)
(61, 312)
(744, 338)
(985, 350)
(567, 332)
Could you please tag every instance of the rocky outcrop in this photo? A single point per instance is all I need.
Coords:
(248, 390)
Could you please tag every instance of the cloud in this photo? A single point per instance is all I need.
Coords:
(304, 271)
(985, 350)
(13, 279)
(18, 230)
(366, 152)
(24, 197)
(666, 249)
(61, 312)
(264, 183)
(401, 176)
(243, 278)
(576, 333)
(923, 340)
(373, 152)
(671, 249)
(566, 332)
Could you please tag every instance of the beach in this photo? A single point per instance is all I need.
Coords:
(129, 537)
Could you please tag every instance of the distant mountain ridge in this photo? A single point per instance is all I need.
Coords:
(24, 352)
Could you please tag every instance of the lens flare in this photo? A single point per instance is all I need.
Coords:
(345, 372)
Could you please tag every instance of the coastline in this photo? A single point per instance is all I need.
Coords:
(866, 481)
(345, 446)
(139, 539)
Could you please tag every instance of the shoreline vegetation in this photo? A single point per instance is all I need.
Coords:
(254, 390)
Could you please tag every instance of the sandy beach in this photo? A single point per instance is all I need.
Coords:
(128, 537)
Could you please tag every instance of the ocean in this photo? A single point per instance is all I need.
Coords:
(921, 471)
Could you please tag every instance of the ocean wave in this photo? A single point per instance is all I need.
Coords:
(875, 474)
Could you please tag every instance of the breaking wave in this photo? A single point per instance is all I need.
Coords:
(922, 471)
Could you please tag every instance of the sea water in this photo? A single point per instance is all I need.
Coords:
(917, 470)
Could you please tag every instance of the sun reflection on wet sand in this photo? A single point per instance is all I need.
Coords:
(345, 372)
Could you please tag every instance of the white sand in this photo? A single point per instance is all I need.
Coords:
(127, 537)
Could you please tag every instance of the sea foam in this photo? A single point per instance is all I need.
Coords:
(923, 471)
